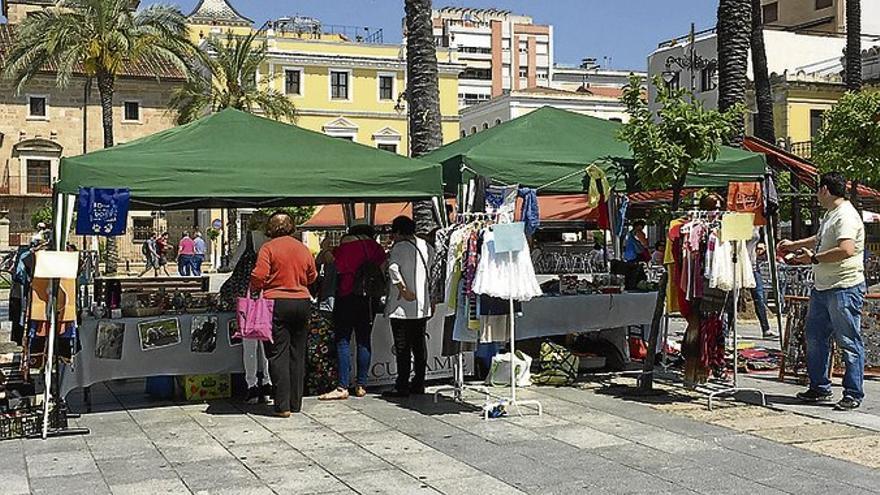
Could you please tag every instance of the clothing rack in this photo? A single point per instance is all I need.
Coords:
(716, 390)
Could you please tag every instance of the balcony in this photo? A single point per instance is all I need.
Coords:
(803, 149)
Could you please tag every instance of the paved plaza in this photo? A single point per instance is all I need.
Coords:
(596, 438)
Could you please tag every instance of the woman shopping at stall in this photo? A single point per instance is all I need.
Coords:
(285, 269)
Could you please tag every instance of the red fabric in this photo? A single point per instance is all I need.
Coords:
(747, 197)
(711, 343)
(349, 256)
(637, 348)
(603, 221)
(674, 237)
(285, 269)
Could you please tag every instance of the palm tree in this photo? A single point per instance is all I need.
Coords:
(95, 38)
(853, 72)
(423, 94)
(230, 81)
(763, 91)
(734, 26)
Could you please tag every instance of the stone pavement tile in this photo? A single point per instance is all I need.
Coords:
(300, 479)
(862, 450)
(389, 482)
(543, 450)
(307, 440)
(350, 423)
(811, 484)
(432, 466)
(385, 443)
(516, 470)
(273, 453)
(676, 423)
(53, 445)
(148, 416)
(534, 421)
(640, 457)
(811, 433)
(582, 437)
(181, 450)
(711, 481)
(768, 422)
(345, 460)
(214, 473)
(111, 447)
(739, 464)
(480, 484)
(14, 482)
(241, 435)
(426, 429)
(67, 464)
(844, 471)
(619, 479)
(135, 469)
(276, 424)
(83, 484)
(170, 486)
(672, 443)
(497, 431)
(764, 449)
(249, 488)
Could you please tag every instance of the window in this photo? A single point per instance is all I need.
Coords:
(463, 133)
(824, 4)
(524, 72)
(141, 228)
(37, 107)
(388, 147)
(485, 125)
(386, 87)
(497, 121)
(292, 82)
(708, 81)
(39, 179)
(771, 12)
(131, 111)
(478, 74)
(474, 130)
(816, 117)
(339, 85)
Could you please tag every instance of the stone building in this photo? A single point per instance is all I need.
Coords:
(42, 123)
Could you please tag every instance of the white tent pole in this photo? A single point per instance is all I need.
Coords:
(58, 218)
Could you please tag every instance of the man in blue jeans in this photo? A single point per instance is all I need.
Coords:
(757, 250)
(836, 301)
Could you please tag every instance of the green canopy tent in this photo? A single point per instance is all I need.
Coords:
(549, 148)
(235, 159)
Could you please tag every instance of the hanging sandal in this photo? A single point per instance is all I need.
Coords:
(336, 394)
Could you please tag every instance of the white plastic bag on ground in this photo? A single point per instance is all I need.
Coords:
(499, 373)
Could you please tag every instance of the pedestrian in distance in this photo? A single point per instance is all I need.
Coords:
(185, 252)
(199, 250)
(835, 253)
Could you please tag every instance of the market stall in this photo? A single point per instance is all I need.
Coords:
(228, 159)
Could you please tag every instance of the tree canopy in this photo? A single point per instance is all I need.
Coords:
(849, 139)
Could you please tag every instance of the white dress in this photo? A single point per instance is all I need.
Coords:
(499, 276)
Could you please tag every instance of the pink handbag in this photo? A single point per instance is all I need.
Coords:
(255, 318)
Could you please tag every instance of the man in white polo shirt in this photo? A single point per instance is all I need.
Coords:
(837, 255)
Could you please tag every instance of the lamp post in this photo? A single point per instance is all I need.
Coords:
(691, 61)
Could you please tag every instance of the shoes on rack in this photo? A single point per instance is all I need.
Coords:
(335, 394)
(811, 395)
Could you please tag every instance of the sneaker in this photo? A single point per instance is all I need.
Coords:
(811, 395)
(847, 404)
(770, 334)
(360, 392)
(336, 394)
(395, 394)
(267, 392)
(253, 395)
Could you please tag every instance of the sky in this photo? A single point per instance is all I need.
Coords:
(625, 31)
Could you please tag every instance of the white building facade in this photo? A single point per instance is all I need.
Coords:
(501, 50)
(603, 103)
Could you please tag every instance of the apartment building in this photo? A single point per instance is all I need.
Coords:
(501, 51)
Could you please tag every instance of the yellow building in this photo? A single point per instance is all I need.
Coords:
(800, 102)
(344, 82)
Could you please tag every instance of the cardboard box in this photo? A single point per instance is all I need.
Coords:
(207, 387)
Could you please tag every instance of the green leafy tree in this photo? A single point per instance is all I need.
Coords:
(96, 38)
(230, 81)
(299, 214)
(670, 143)
(849, 139)
(42, 215)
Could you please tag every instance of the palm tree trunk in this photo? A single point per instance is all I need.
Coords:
(763, 91)
(423, 95)
(734, 26)
(105, 89)
(853, 72)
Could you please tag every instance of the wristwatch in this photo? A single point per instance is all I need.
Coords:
(814, 260)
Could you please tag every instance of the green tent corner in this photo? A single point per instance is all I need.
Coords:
(233, 158)
(549, 144)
